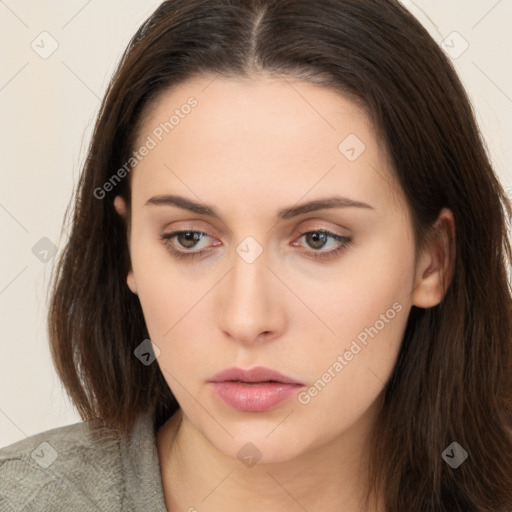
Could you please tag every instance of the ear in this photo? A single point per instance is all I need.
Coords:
(122, 210)
(435, 268)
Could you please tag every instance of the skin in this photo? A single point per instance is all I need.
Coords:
(250, 148)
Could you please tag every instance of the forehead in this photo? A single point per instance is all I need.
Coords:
(261, 109)
(258, 138)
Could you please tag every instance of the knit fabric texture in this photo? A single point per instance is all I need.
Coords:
(68, 469)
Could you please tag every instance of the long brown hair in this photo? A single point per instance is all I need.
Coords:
(453, 378)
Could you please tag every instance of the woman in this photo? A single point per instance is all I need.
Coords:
(286, 283)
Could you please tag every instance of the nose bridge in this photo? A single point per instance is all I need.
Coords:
(248, 303)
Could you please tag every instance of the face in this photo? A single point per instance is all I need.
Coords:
(320, 295)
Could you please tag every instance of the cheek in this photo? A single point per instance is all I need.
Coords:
(177, 311)
(367, 307)
(368, 280)
(348, 375)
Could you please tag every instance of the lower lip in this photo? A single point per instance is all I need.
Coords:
(254, 397)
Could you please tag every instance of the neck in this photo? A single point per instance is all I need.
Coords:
(196, 476)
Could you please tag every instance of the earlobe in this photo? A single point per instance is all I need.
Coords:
(120, 206)
(436, 265)
(130, 281)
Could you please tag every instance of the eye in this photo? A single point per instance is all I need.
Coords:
(185, 239)
(317, 239)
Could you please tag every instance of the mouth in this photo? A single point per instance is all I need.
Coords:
(256, 390)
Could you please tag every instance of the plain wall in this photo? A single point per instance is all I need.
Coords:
(47, 110)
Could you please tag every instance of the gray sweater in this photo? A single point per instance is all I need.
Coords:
(66, 469)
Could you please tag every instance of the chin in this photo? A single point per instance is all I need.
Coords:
(255, 446)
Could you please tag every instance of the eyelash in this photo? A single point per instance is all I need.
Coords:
(345, 242)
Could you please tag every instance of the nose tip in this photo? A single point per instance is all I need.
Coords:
(247, 332)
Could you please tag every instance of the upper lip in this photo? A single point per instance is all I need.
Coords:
(256, 374)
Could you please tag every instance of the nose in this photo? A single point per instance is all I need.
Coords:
(251, 302)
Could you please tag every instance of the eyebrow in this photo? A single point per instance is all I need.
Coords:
(283, 214)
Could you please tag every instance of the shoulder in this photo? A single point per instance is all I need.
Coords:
(66, 468)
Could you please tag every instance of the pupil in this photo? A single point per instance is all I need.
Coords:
(190, 238)
(318, 240)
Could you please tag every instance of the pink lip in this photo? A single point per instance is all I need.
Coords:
(256, 374)
(251, 391)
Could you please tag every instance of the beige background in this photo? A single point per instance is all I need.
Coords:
(47, 109)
